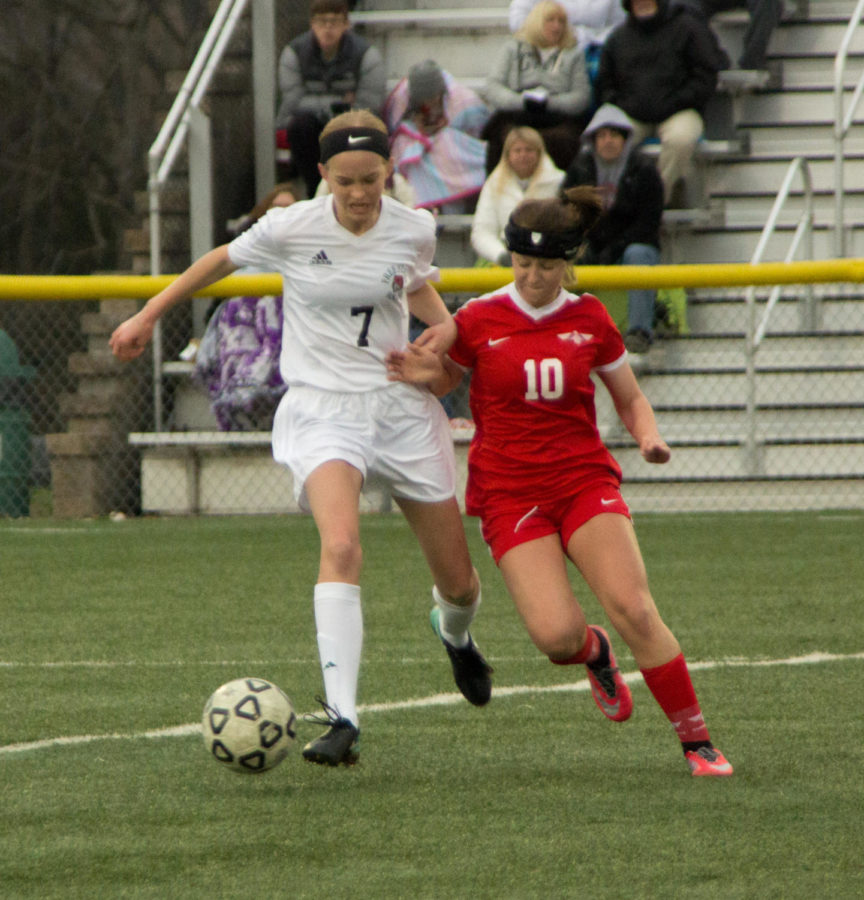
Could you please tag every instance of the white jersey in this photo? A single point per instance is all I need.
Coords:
(344, 302)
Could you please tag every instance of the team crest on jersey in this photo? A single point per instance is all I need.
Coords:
(394, 277)
(577, 337)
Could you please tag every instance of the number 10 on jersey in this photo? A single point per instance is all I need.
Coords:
(543, 380)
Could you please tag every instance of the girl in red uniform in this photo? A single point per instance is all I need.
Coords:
(539, 476)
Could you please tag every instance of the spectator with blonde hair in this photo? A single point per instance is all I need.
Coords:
(539, 79)
(591, 20)
(524, 171)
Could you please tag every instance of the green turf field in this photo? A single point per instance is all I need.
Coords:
(114, 634)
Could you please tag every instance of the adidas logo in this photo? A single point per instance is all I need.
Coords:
(320, 259)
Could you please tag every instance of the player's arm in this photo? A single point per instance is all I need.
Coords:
(131, 337)
(636, 413)
(426, 304)
(420, 365)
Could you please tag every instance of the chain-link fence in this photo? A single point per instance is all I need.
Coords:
(78, 435)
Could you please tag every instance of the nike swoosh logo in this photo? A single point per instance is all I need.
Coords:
(611, 709)
(608, 502)
(494, 341)
(357, 138)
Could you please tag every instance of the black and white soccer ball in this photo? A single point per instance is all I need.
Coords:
(248, 725)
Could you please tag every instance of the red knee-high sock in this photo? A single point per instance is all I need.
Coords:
(589, 652)
(673, 690)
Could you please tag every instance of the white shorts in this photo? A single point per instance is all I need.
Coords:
(397, 436)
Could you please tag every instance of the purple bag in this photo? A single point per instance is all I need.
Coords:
(238, 362)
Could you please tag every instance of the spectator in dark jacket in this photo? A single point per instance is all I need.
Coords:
(628, 231)
(323, 72)
(660, 66)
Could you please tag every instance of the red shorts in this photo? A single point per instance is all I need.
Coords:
(502, 530)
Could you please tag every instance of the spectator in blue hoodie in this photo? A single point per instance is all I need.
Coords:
(660, 66)
(628, 230)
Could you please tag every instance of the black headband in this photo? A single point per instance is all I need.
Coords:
(352, 138)
(548, 245)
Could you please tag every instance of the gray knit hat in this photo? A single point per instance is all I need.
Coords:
(425, 82)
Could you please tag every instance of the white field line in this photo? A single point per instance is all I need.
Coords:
(442, 699)
(220, 663)
(149, 664)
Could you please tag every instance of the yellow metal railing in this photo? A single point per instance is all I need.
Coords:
(476, 281)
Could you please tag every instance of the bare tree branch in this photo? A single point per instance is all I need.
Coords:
(82, 82)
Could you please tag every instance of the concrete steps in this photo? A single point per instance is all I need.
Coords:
(804, 105)
(725, 314)
(697, 389)
(803, 445)
(759, 174)
(736, 242)
(811, 72)
(750, 209)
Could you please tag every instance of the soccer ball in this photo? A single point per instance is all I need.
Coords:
(248, 725)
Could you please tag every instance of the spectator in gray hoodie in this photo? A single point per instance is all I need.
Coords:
(628, 230)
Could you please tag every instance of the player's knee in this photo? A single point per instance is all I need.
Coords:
(462, 589)
(555, 641)
(343, 554)
(557, 648)
(635, 614)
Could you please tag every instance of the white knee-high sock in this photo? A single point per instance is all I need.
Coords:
(455, 620)
(339, 620)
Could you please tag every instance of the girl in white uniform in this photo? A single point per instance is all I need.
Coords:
(354, 264)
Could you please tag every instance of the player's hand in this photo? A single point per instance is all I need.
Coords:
(414, 365)
(655, 450)
(438, 338)
(130, 338)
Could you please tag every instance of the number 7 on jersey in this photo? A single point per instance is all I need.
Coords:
(366, 312)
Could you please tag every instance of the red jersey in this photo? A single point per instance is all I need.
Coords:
(532, 397)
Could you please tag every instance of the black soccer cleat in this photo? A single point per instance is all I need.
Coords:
(340, 743)
(471, 672)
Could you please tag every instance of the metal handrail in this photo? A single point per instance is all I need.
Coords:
(842, 124)
(165, 149)
(756, 334)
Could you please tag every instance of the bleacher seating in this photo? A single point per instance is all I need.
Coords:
(698, 382)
